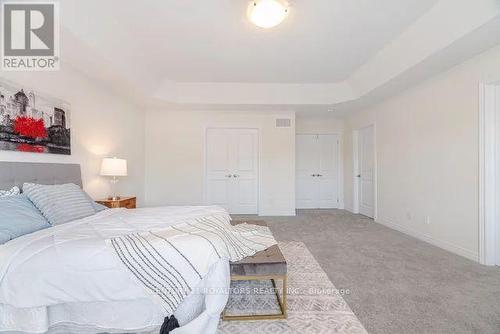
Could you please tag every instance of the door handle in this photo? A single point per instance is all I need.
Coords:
(236, 175)
(314, 175)
(319, 175)
(359, 175)
(228, 175)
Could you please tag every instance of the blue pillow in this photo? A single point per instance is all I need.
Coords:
(18, 217)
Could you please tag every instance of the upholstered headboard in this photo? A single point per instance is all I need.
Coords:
(16, 173)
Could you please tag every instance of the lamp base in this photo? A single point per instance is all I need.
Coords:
(114, 198)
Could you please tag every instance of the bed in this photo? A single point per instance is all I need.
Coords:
(66, 279)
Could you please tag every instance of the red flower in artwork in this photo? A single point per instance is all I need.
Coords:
(30, 148)
(30, 127)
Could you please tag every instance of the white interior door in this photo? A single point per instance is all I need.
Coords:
(245, 166)
(218, 167)
(232, 169)
(316, 171)
(307, 165)
(328, 171)
(366, 169)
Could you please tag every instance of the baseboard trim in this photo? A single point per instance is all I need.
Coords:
(275, 213)
(350, 209)
(446, 245)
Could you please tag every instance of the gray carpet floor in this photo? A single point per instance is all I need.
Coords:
(397, 284)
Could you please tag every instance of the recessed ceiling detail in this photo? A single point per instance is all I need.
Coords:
(326, 53)
(320, 41)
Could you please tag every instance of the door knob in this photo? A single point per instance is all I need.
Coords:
(236, 175)
(313, 175)
(228, 175)
(359, 175)
(319, 175)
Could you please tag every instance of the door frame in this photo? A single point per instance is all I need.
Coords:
(489, 194)
(340, 167)
(356, 171)
(205, 163)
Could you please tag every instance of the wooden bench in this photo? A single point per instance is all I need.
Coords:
(269, 264)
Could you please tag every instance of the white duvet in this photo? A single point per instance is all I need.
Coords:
(67, 277)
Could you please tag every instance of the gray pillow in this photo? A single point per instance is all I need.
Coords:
(18, 217)
(60, 203)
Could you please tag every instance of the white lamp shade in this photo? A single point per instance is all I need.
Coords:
(114, 167)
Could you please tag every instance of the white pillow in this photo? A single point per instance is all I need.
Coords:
(12, 192)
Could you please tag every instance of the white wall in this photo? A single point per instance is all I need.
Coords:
(102, 124)
(427, 156)
(318, 125)
(175, 157)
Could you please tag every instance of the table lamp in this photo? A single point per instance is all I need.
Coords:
(114, 167)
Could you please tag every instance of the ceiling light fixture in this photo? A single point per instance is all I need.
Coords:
(267, 13)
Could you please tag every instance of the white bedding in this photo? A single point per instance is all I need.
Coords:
(67, 276)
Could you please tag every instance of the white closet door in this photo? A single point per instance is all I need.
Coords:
(218, 166)
(307, 165)
(367, 172)
(245, 171)
(317, 171)
(328, 171)
(232, 169)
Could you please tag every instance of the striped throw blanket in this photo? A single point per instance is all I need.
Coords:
(170, 262)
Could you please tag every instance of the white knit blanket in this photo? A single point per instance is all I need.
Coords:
(170, 262)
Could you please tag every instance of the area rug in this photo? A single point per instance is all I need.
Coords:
(314, 304)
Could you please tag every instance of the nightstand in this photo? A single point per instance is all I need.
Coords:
(124, 202)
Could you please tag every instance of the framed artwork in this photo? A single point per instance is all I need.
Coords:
(33, 122)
